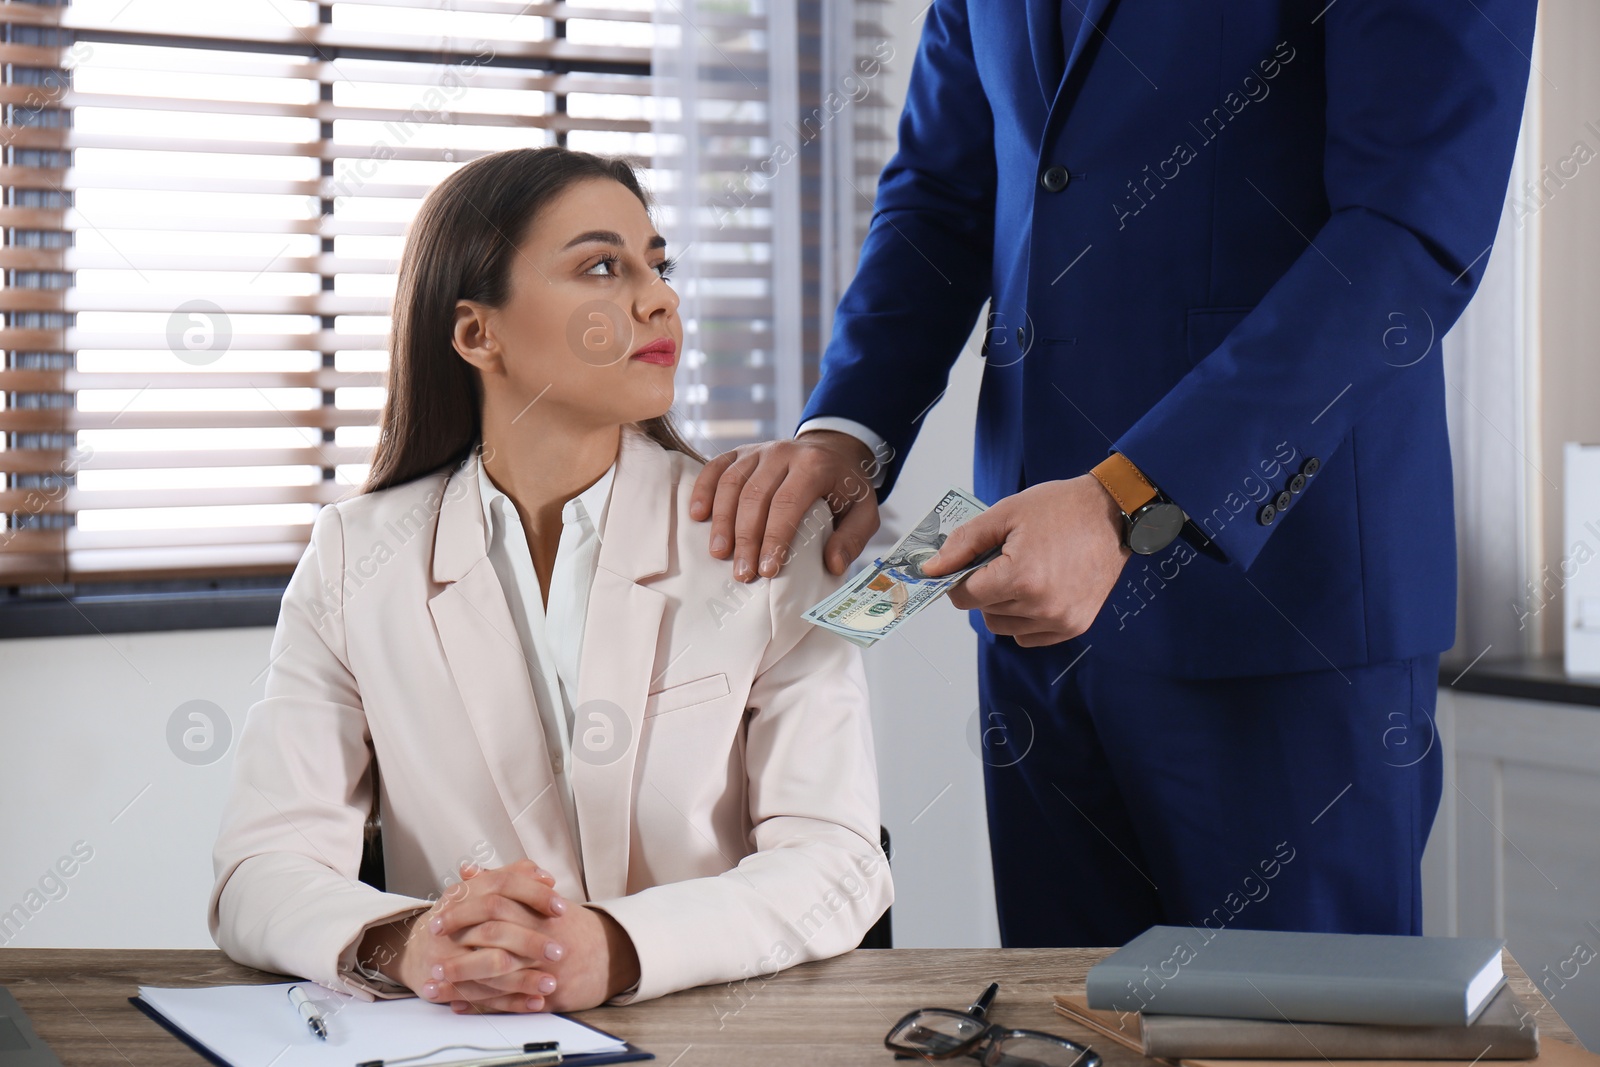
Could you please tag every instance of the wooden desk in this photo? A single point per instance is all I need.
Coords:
(834, 1012)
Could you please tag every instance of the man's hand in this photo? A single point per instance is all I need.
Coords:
(757, 495)
(1062, 554)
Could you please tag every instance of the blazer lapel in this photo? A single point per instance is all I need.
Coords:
(621, 636)
(485, 655)
(1044, 38)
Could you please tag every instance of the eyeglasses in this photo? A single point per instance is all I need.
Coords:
(943, 1033)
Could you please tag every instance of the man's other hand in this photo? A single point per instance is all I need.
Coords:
(1062, 554)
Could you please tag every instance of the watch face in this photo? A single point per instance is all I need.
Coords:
(1154, 527)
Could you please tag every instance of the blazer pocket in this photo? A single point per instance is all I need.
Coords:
(685, 695)
(1209, 327)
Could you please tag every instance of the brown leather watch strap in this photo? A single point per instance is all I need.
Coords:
(1126, 484)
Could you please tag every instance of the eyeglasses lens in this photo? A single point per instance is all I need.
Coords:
(1036, 1050)
(936, 1033)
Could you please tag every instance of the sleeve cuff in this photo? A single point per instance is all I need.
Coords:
(382, 983)
(368, 983)
(875, 442)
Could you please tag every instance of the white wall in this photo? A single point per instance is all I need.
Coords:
(85, 757)
(1564, 209)
(925, 678)
(925, 703)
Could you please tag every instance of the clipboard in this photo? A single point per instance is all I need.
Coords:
(622, 1052)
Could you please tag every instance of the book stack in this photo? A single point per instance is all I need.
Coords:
(1205, 997)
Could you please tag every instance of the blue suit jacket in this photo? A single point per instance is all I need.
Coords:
(1274, 210)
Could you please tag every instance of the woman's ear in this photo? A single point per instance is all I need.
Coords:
(474, 339)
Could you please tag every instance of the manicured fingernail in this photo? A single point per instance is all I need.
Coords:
(470, 869)
(558, 905)
(430, 990)
(769, 565)
(547, 984)
(436, 924)
(536, 1004)
(553, 951)
(437, 971)
(697, 509)
(719, 545)
(741, 569)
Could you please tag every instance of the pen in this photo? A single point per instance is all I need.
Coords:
(308, 1011)
(980, 1007)
(533, 1054)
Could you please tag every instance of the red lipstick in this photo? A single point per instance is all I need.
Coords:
(663, 352)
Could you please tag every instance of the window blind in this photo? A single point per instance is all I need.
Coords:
(205, 202)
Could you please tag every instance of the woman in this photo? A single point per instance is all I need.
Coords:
(649, 776)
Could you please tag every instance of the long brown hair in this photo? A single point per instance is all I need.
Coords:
(460, 247)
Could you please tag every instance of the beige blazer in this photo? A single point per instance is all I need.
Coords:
(722, 769)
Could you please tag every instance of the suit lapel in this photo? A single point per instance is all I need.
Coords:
(621, 637)
(1093, 12)
(485, 655)
(1044, 40)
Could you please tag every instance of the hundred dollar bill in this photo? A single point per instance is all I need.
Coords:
(879, 598)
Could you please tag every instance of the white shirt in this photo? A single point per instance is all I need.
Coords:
(551, 637)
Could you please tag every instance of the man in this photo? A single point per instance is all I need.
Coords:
(1220, 241)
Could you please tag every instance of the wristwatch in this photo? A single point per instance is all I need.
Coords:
(1151, 522)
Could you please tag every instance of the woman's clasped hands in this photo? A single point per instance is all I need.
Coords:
(502, 939)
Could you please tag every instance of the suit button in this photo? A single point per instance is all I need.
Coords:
(1019, 335)
(1311, 466)
(1054, 179)
(1297, 483)
(1283, 501)
(1266, 514)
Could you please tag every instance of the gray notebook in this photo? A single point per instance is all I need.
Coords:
(1334, 978)
(19, 1045)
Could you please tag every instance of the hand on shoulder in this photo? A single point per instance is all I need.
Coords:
(757, 498)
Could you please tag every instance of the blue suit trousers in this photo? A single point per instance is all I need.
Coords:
(1120, 799)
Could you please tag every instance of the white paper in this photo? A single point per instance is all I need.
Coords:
(256, 1026)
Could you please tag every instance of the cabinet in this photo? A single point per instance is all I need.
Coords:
(1515, 849)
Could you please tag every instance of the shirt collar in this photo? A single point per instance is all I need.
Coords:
(590, 504)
